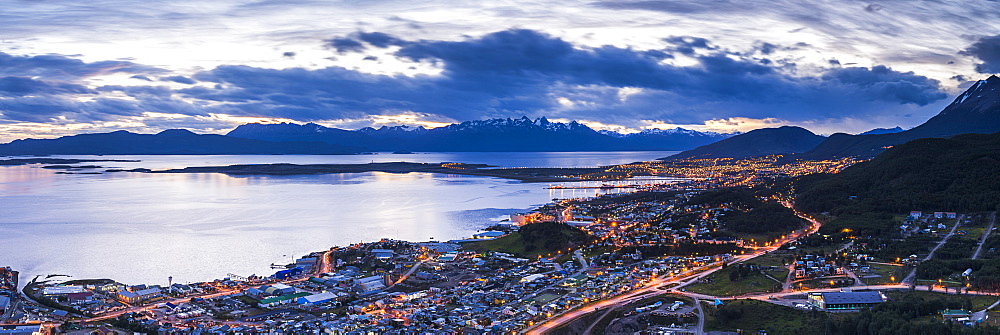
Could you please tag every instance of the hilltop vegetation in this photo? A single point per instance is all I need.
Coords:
(866, 202)
(535, 239)
(956, 174)
(914, 313)
(750, 215)
(760, 142)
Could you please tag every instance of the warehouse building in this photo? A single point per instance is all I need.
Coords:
(846, 300)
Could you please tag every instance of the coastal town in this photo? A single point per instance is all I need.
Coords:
(636, 167)
(651, 259)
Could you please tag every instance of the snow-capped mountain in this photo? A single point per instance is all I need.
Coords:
(977, 110)
(501, 134)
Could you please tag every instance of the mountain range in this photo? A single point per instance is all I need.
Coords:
(942, 174)
(492, 135)
(760, 142)
(975, 111)
(167, 142)
(880, 131)
(521, 134)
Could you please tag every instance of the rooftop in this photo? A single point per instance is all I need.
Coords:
(292, 296)
(871, 297)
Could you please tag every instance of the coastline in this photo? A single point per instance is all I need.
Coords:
(529, 175)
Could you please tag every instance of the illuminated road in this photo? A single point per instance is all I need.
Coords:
(410, 272)
(144, 308)
(986, 234)
(683, 279)
(323, 263)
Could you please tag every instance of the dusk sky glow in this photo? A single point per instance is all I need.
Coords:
(69, 67)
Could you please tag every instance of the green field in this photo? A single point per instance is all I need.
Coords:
(886, 272)
(719, 283)
(820, 283)
(545, 298)
(973, 233)
(772, 259)
(749, 316)
(537, 239)
(978, 302)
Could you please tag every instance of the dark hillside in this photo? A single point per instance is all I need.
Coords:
(957, 174)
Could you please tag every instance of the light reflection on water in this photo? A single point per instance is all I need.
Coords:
(141, 228)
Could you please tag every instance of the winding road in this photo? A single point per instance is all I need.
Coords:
(986, 234)
(910, 277)
(683, 279)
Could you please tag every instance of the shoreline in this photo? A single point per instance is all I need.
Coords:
(527, 175)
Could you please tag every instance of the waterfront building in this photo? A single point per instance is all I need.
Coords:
(62, 290)
(488, 235)
(285, 299)
(21, 330)
(140, 295)
(278, 289)
(317, 298)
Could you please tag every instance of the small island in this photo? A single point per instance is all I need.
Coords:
(58, 163)
(522, 174)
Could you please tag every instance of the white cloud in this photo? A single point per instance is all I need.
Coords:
(188, 36)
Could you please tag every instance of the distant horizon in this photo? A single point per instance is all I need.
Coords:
(226, 131)
(69, 68)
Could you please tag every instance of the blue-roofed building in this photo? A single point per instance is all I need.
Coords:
(317, 298)
(285, 274)
(846, 300)
(382, 254)
(488, 235)
(21, 330)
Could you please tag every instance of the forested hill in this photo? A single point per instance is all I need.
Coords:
(957, 174)
(760, 142)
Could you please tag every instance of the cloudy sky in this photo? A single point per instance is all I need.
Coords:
(70, 67)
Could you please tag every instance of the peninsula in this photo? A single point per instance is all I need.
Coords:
(522, 174)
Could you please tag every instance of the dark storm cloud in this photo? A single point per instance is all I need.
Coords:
(179, 79)
(48, 108)
(40, 88)
(883, 83)
(343, 45)
(139, 91)
(59, 67)
(381, 40)
(688, 44)
(22, 86)
(506, 73)
(521, 71)
(987, 50)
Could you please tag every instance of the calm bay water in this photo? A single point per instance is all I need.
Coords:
(142, 228)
